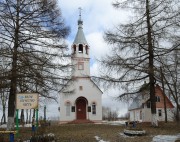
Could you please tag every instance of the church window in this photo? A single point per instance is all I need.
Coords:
(74, 46)
(80, 87)
(80, 66)
(141, 115)
(93, 108)
(68, 108)
(80, 48)
(89, 108)
(86, 49)
(73, 109)
(148, 104)
(157, 98)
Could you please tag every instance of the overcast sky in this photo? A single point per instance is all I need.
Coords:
(97, 16)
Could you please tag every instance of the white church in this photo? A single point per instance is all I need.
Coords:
(85, 103)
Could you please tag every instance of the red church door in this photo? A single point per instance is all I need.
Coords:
(81, 108)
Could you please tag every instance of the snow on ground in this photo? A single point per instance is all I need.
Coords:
(158, 138)
(125, 136)
(25, 125)
(99, 139)
(121, 122)
(166, 138)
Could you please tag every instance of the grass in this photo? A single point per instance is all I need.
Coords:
(111, 133)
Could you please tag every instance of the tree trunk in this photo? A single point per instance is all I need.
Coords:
(34, 112)
(151, 66)
(162, 81)
(30, 116)
(4, 114)
(177, 114)
(22, 116)
(27, 120)
(13, 86)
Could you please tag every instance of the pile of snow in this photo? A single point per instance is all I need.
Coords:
(122, 122)
(99, 139)
(25, 125)
(166, 138)
(125, 136)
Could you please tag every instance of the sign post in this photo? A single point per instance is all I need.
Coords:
(26, 101)
(36, 118)
(17, 122)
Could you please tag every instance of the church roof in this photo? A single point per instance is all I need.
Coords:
(136, 103)
(80, 38)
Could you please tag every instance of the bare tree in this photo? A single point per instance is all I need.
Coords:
(171, 72)
(4, 89)
(109, 114)
(33, 33)
(137, 45)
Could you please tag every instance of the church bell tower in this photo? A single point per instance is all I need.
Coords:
(80, 52)
(85, 103)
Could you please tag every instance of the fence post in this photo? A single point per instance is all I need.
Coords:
(17, 122)
(36, 118)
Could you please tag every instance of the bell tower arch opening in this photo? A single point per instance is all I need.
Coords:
(80, 48)
(74, 49)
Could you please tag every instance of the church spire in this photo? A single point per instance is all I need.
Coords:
(80, 22)
(80, 38)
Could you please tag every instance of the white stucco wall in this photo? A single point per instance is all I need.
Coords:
(170, 115)
(90, 92)
(146, 115)
(135, 115)
(86, 68)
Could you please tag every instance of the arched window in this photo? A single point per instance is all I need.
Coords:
(80, 48)
(68, 109)
(74, 47)
(93, 108)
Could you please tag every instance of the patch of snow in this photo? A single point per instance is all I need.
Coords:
(3, 126)
(125, 136)
(25, 125)
(99, 139)
(166, 138)
(121, 122)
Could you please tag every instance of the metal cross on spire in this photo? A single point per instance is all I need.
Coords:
(80, 9)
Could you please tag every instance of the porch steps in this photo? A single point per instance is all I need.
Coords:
(80, 121)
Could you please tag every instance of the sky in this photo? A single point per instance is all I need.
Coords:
(98, 16)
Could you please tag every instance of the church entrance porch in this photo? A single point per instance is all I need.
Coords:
(81, 108)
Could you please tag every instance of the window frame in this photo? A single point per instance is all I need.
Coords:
(80, 65)
(148, 104)
(68, 108)
(80, 88)
(159, 112)
(94, 108)
(158, 99)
